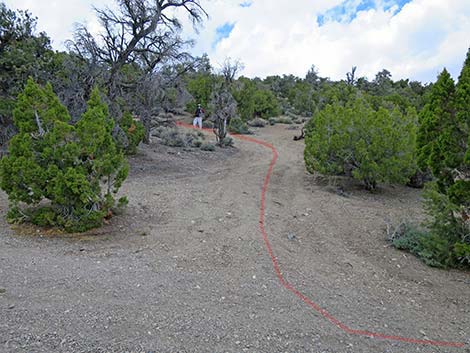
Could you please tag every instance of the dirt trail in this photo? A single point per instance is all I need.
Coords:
(186, 270)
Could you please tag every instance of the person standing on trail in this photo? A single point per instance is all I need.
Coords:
(198, 117)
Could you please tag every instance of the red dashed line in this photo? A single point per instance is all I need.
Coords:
(289, 287)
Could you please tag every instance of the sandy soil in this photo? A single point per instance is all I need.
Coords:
(185, 269)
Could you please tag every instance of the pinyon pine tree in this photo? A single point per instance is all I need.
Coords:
(67, 174)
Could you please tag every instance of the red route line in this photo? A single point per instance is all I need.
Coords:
(298, 294)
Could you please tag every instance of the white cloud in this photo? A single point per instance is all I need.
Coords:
(58, 18)
(282, 37)
(275, 38)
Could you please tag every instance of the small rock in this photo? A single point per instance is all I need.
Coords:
(200, 230)
(3, 290)
(291, 236)
(12, 306)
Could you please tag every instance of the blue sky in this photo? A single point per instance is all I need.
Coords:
(348, 9)
(411, 38)
(246, 3)
(222, 32)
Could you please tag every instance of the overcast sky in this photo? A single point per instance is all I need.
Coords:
(411, 38)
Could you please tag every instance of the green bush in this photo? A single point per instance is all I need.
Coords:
(437, 251)
(227, 142)
(197, 143)
(257, 122)
(208, 147)
(409, 240)
(254, 100)
(134, 130)
(174, 137)
(462, 252)
(66, 173)
(44, 217)
(238, 126)
(266, 104)
(200, 86)
(356, 140)
(244, 95)
(440, 245)
(444, 149)
(432, 249)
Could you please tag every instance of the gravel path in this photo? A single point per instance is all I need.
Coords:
(186, 270)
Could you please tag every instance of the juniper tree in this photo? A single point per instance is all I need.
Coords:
(23, 53)
(68, 174)
(437, 124)
(460, 191)
(444, 148)
(356, 140)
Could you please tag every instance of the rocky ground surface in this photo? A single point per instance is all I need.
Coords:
(185, 269)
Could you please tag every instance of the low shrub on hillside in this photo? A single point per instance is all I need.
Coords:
(432, 248)
(208, 147)
(227, 142)
(174, 137)
(238, 126)
(257, 122)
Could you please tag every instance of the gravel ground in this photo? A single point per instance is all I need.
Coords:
(185, 268)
